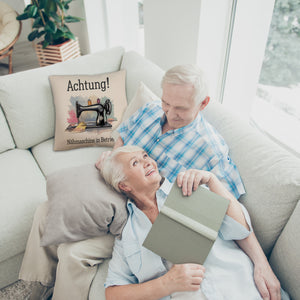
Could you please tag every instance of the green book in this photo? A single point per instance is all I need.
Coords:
(187, 226)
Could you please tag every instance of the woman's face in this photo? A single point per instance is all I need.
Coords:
(140, 170)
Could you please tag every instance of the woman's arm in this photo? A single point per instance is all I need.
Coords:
(184, 277)
(264, 277)
(190, 180)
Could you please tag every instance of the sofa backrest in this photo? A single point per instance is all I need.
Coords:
(6, 140)
(140, 69)
(27, 101)
(270, 174)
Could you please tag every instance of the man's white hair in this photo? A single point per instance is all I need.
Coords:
(188, 74)
(112, 170)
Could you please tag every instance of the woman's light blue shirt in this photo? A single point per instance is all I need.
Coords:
(229, 271)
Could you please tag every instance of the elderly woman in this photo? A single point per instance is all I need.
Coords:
(137, 273)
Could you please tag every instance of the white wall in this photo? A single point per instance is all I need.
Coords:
(123, 23)
(171, 31)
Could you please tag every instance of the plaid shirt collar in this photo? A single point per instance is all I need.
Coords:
(183, 129)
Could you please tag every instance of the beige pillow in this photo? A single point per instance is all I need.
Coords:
(82, 206)
(88, 108)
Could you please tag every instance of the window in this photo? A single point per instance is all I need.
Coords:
(276, 108)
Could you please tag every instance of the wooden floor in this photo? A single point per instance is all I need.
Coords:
(23, 58)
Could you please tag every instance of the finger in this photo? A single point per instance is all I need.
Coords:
(263, 290)
(179, 179)
(197, 181)
(190, 184)
(274, 292)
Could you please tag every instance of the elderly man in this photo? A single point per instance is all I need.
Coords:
(176, 135)
(141, 274)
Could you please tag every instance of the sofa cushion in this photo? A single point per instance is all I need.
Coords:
(32, 121)
(270, 174)
(285, 255)
(82, 206)
(50, 161)
(140, 69)
(23, 187)
(6, 141)
(87, 108)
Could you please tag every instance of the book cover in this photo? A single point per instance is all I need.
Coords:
(187, 226)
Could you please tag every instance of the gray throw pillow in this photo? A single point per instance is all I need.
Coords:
(81, 206)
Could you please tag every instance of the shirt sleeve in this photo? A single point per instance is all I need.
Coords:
(125, 128)
(119, 272)
(233, 230)
(225, 169)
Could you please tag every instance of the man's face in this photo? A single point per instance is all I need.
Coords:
(140, 170)
(179, 105)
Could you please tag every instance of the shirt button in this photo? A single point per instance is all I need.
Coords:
(157, 140)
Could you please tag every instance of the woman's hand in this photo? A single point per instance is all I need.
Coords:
(189, 180)
(183, 277)
(266, 282)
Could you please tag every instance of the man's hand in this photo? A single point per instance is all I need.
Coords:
(266, 282)
(189, 180)
(183, 277)
(101, 159)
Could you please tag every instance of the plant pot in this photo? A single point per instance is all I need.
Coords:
(57, 53)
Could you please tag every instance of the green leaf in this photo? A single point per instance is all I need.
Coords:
(33, 35)
(71, 19)
(51, 27)
(50, 6)
(23, 16)
(64, 28)
(38, 23)
(70, 35)
(41, 33)
(59, 4)
(56, 17)
(45, 44)
(42, 4)
(32, 11)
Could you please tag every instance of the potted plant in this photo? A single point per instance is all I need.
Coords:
(49, 25)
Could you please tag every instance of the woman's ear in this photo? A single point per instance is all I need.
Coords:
(124, 187)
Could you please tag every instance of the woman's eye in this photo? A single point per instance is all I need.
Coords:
(135, 163)
(145, 155)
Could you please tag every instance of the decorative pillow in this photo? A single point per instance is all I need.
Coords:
(88, 108)
(142, 96)
(81, 206)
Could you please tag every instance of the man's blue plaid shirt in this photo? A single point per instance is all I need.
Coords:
(195, 146)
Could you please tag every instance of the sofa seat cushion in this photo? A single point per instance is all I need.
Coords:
(23, 187)
(6, 141)
(270, 174)
(51, 161)
(32, 121)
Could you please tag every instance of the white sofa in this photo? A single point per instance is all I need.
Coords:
(27, 119)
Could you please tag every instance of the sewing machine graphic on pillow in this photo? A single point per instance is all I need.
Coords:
(91, 116)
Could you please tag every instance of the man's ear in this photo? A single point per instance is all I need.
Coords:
(204, 103)
(124, 187)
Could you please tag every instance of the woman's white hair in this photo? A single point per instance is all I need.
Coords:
(188, 74)
(112, 170)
